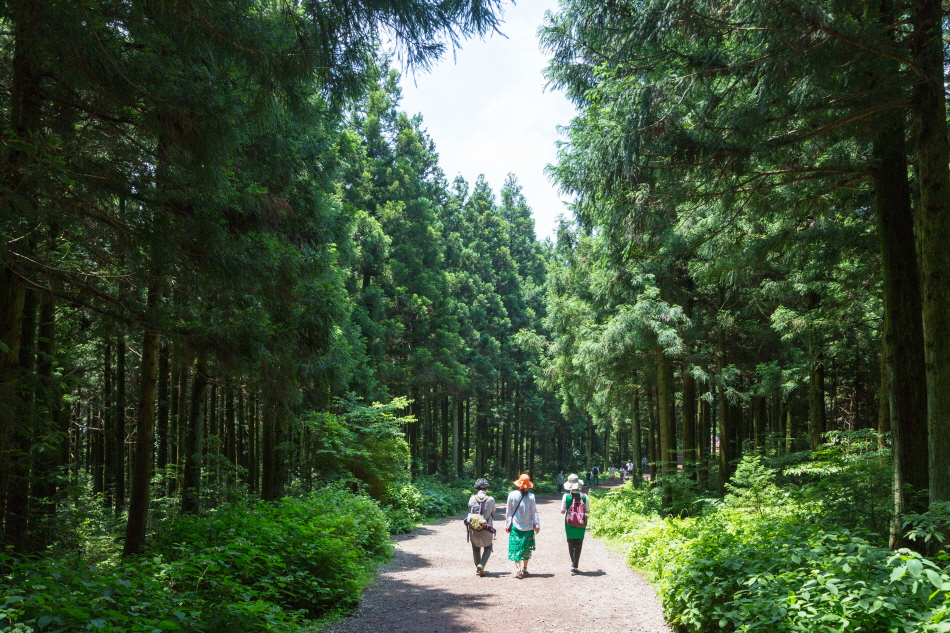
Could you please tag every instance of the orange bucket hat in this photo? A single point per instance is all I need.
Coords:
(524, 481)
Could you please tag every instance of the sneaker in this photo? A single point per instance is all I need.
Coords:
(574, 572)
(519, 574)
(480, 570)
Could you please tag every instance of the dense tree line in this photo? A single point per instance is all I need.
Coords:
(222, 236)
(760, 250)
(217, 225)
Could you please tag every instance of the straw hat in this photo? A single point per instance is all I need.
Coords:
(524, 481)
(573, 483)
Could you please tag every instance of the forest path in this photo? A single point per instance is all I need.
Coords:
(431, 586)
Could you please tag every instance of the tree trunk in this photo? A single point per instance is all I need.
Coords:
(24, 118)
(758, 421)
(883, 402)
(702, 476)
(725, 423)
(456, 449)
(444, 459)
(51, 433)
(24, 424)
(108, 423)
(163, 405)
(933, 225)
(480, 438)
(182, 416)
(230, 441)
(689, 420)
(194, 441)
(145, 432)
(817, 422)
(269, 438)
(636, 444)
(119, 423)
(905, 377)
(667, 453)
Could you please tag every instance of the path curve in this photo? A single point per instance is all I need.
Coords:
(430, 586)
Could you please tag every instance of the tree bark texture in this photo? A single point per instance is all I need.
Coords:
(140, 490)
(905, 375)
(817, 420)
(635, 444)
(726, 449)
(933, 232)
(194, 440)
(689, 420)
(667, 431)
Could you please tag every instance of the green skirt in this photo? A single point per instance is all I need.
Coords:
(520, 544)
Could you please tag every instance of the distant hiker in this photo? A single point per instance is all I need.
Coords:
(480, 525)
(595, 476)
(613, 472)
(521, 523)
(646, 464)
(623, 472)
(560, 479)
(575, 508)
(587, 477)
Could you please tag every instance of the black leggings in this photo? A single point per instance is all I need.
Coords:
(574, 546)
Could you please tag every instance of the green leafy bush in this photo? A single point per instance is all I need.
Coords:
(56, 595)
(846, 482)
(410, 503)
(361, 443)
(756, 563)
(252, 566)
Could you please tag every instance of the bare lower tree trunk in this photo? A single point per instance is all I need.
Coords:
(145, 433)
(933, 233)
(689, 420)
(758, 421)
(636, 443)
(119, 421)
(726, 450)
(164, 408)
(50, 432)
(194, 441)
(667, 453)
(817, 421)
(903, 340)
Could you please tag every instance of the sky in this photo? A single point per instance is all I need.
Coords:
(488, 113)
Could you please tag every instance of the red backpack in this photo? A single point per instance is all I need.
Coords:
(577, 513)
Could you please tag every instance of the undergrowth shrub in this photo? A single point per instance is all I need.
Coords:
(846, 482)
(409, 503)
(757, 561)
(253, 566)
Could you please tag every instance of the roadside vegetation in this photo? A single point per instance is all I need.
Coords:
(789, 548)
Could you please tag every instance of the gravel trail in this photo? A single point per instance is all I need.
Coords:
(431, 586)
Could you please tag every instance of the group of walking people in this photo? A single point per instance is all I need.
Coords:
(522, 522)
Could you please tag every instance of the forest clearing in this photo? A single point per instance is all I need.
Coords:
(253, 334)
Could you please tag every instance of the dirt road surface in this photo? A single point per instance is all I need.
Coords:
(430, 586)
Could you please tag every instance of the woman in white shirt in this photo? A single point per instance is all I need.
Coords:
(521, 523)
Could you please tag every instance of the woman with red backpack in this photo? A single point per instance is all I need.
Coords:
(575, 507)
